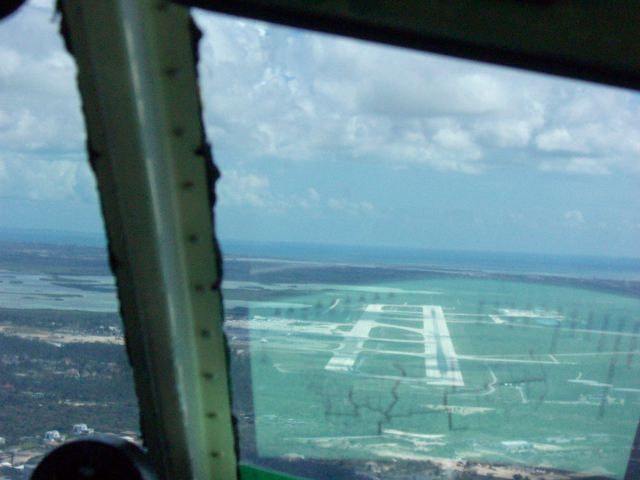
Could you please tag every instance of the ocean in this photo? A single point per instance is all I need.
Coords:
(583, 266)
(614, 268)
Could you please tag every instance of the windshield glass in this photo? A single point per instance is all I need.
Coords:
(431, 265)
(64, 371)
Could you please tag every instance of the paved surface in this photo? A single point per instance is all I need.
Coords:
(441, 361)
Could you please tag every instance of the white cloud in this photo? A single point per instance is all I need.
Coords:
(276, 92)
(350, 207)
(33, 178)
(455, 139)
(41, 128)
(253, 190)
(245, 189)
(279, 93)
(557, 139)
(574, 217)
(9, 62)
(575, 165)
(506, 133)
(271, 92)
(596, 128)
(43, 4)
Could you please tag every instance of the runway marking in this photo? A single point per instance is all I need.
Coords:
(440, 358)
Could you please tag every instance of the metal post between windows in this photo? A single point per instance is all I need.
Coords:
(137, 78)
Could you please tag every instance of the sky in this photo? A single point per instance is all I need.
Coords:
(329, 140)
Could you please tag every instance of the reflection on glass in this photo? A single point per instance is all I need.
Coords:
(431, 266)
(431, 370)
(64, 371)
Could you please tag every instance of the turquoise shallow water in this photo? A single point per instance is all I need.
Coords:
(550, 375)
(40, 291)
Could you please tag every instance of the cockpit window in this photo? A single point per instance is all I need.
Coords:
(431, 265)
(64, 371)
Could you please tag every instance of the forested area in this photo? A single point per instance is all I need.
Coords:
(51, 319)
(46, 387)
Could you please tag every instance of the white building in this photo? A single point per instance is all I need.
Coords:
(52, 436)
(81, 429)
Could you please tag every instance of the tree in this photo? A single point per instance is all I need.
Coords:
(358, 405)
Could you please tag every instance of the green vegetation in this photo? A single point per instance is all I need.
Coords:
(51, 319)
(44, 387)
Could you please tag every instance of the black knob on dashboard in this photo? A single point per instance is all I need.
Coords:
(103, 457)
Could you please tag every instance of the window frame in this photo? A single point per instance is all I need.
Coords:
(156, 177)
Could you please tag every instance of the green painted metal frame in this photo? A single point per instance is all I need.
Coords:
(250, 472)
(138, 82)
